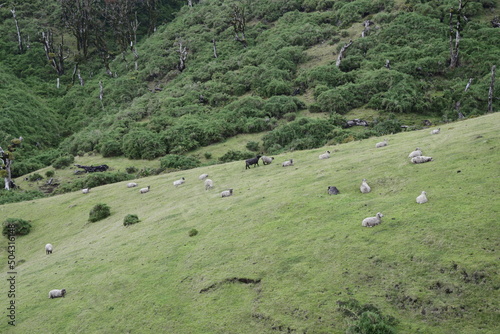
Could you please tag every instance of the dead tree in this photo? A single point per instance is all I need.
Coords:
(457, 104)
(341, 53)
(182, 55)
(492, 88)
(455, 29)
(19, 39)
(387, 64)
(366, 29)
(215, 48)
(495, 22)
(7, 157)
(55, 57)
(101, 90)
(238, 21)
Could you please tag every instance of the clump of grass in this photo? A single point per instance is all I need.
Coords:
(130, 220)
(99, 212)
(193, 232)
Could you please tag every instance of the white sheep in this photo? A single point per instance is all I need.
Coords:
(415, 153)
(287, 163)
(86, 190)
(435, 131)
(209, 184)
(267, 160)
(179, 182)
(202, 177)
(364, 188)
(144, 190)
(227, 193)
(422, 198)
(372, 221)
(421, 159)
(381, 144)
(48, 249)
(57, 293)
(325, 155)
(132, 185)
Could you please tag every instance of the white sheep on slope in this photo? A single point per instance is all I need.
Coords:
(422, 198)
(421, 159)
(131, 185)
(57, 293)
(266, 160)
(209, 184)
(179, 182)
(415, 153)
(287, 163)
(381, 144)
(435, 131)
(365, 188)
(86, 190)
(202, 177)
(325, 155)
(48, 249)
(144, 190)
(372, 221)
(227, 193)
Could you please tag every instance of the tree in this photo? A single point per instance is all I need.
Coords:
(238, 21)
(7, 157)
(56, 57)
(455, 29)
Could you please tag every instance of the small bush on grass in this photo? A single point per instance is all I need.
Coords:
(62, 162)
(15, 226)
(130, 219)
(253, 146)
(232, 155)
(366, 318)
(193, 232)
(49, 173)
(35, 177)
(99, 212)
(179, 162)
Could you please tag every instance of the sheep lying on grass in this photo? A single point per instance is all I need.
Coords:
(325, 155)
(267, 160)
(364, 188)
(287, 163)
(179, 182)
(86, 190)
(57, 293)
(333, 190)
(202, 177)
(372, 221)
(381, 144)
(421, 159)
(209, 184)
(48, 249)
(227, 193)
(144, 190)
(131, 185)
(421, 199)
(253, 161)
(415, 153)
(435, 131)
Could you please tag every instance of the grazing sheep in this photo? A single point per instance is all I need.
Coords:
(226, 193)
(179, 182)
(421, 159)
(365, 188)
(422, 198)
(435, 131)
(287, 163)
(48, 249)
(144, 190)
(86, 190)
(131, 185)
(325, 155)
(372, 221)
(266, 160)
(202, 177)
(381, 144)
(57, 293)
(333, 190)
(253, 161)
(209, 184)
(415, 153)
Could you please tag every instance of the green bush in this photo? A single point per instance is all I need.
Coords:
(130, 219)
(99, 212)
(207, 155)
(63, 161)
(35, 177)
(179, 162)
(252, 146)
(14, 195)
(366, 319)
(232, 155)
(131, 170)
(193, 232)
(15, 226)
(93, 180)
(143, 144)
(49, 173)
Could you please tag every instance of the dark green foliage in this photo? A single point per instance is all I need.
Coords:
(99, 212)
(366, 319)
(49, 173)
(63, 161)
(233, 155)
(252, 146)
(35, 177)
(145, 172)
(387, 126)
(15, 226)
(179, 162)
(92, 180)
(13, 196)
(130, 219)
(111, 148)
(143, 144)
(192, 232)
(131, 170)
(207, 155)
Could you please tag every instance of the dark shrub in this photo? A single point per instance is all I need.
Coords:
(99, 212)
(235, 156)
(111, 148)
(15, 226)
(63, 161)
(35, 177)
(193, 232)
(131, 170)
(252, 146)
(179, 162)
(130, 219)
(49, 173)
(13, 196)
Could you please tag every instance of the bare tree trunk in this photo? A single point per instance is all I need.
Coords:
(366, 29)
(238, 21)
(182, 56)
(57, 83)
(190, 3)
(55, 58)
(341, 53)
(492, 88)
(82, 82)
(457, 104)
(215, 48)
(455, 31)
(387, 64)
(19, 39)
(101, 91)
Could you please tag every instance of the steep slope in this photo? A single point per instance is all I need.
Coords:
(278, 255)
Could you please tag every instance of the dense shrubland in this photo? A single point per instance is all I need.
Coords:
(254, 83)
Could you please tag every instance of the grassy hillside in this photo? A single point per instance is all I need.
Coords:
(278, 255)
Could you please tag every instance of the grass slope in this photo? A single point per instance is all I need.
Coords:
(279, 254)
